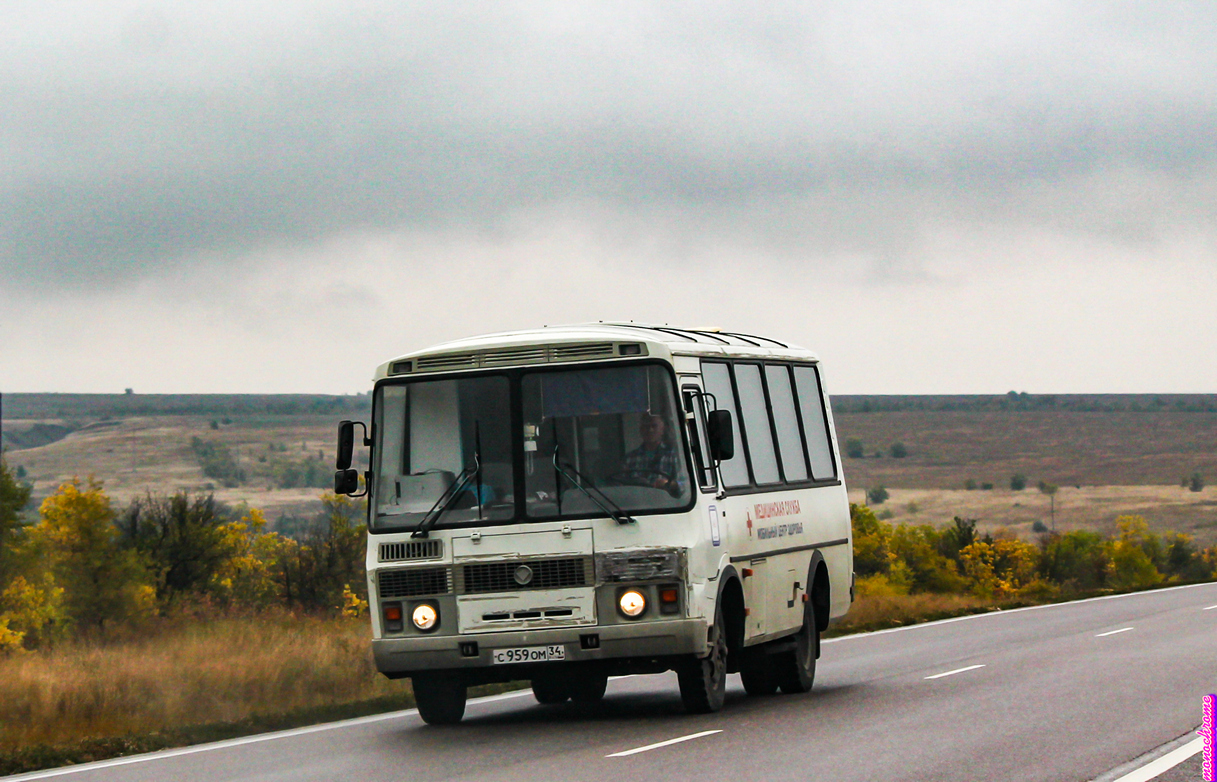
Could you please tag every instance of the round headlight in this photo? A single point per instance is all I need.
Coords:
(632, 603)
(425, 616)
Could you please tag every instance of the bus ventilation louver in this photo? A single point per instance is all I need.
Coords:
(504, 357)
(546, 574)
(412, 549)
(414, 582)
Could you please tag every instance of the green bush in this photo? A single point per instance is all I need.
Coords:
(877, 496)
(854, 449)
(1018, 482)
(899, 451)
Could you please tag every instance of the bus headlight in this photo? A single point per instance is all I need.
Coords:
(632, 603)
(425, 617)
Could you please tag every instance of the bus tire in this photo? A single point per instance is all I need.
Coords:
(756, 672)
(550, 690)
(440, 698)
(588, 688)
(703, 680)
(796, 669)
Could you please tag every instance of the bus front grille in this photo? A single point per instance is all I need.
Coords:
(545, 574)
(411, 549)
(413, 582)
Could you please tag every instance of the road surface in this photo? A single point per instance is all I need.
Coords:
(1062, 692)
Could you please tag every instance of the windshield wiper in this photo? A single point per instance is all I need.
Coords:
(454, 490)
(612, 509)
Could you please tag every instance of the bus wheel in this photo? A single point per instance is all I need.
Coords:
(440, 698)
(756, 671)
(588, 688)
(703, 681)
(550, 690)
(796, 670)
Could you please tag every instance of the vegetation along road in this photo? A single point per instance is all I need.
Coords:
(1056, 692)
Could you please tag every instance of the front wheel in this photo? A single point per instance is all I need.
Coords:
(441, 698)
(796, 669)
(550, 690)
(588, 688)
(703, 681)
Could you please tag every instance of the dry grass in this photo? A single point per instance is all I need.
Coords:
(1166, 508)
(183, 674)
(875, 612)
(1066, 448)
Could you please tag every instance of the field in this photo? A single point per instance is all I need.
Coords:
(1110, 455)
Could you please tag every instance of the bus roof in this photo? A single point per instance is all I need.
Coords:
(586, 342)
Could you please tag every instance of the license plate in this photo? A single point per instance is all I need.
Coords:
(529, 654)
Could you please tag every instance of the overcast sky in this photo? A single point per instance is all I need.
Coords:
(936, 197)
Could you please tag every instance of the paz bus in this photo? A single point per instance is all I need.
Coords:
(566, 504)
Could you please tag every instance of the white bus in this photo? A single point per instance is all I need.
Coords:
(567, 504)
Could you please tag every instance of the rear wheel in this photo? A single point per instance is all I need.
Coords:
(441, 698)
(796, 669)
(756, 671)
(587, 688)
(703, 681)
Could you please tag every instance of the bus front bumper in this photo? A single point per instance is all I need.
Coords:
(403, 656)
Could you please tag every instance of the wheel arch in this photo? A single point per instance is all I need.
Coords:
(819, 589)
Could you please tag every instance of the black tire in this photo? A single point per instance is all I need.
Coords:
(796, 670)
(587, 688)
(703, 681)
(756, 671)
(440, 698)
(550, 690)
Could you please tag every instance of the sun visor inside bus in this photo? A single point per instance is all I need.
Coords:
(599, 392)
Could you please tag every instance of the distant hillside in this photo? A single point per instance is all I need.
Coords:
(1022, 401)
(102, 406)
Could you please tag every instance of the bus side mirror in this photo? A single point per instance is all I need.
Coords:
(346, 481)
(346, 447)
(720, 435)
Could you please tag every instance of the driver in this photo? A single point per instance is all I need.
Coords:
(654, 463)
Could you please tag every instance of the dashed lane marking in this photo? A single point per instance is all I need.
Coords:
(667, 743)
(957, 670)
(1113, 632)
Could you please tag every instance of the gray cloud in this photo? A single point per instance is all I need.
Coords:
(141, 137)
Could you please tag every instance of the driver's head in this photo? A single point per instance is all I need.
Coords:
(651, 428)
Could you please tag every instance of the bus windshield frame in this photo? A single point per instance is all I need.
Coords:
(609, 435)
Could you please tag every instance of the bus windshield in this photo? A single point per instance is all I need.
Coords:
(593, 438)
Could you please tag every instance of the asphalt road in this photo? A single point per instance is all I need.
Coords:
(1064, 692)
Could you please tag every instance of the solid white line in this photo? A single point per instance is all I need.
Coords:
(1000, 612)
(1210, 608)
(1164, 763)
(957, 670)
(239, 742)
(667, 743)
(1113, 632)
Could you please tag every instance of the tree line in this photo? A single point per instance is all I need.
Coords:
(86, 567)
(902, 559)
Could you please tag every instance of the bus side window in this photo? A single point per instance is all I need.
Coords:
(695, 420)
(815, 425)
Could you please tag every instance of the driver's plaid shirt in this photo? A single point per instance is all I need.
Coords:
(654, 464)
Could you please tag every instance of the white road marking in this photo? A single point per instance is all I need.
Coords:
(1000, 612)
(667, 743)
(1113, 632)
(1210, 608)
(957, 670)
(1163, 764)
(238, 742)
